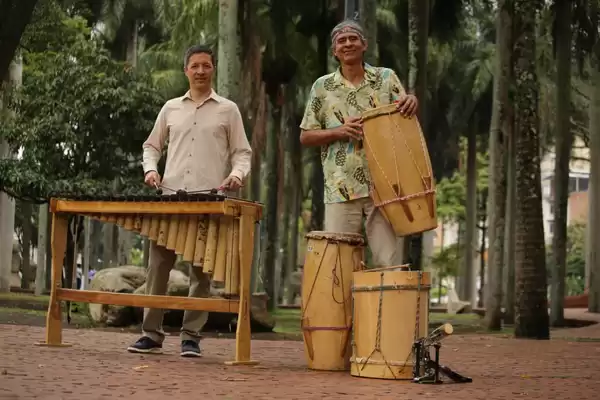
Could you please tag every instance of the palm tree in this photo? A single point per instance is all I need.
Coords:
(531, 312)
(500, 134)
(564, 144)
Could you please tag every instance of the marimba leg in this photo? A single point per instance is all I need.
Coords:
(246, 251)
(60, 230)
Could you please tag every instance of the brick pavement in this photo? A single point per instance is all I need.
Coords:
(98, 367)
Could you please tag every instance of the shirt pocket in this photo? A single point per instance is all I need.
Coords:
(218, 130)
(180, 124)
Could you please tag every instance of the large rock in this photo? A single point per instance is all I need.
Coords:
(131, 279)
(124, 279)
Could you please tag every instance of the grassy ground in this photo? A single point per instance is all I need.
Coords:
(288, 321)
(27, 309)
(31, 310)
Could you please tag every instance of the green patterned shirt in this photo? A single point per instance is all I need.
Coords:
(331, 99)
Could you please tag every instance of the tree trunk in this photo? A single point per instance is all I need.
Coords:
(26, 273)
(12, 25)
(593, 226)
(482, 247)
(40, 272)
(297, 196)
(368, 15)
(509, 234)
(48, 272)
(258, 144)
(469, 249)
(107, 245)
(125, 244)
(229, 65)
(499, 132)
(87, 246)
(564, 143)
(7, 204)
(122, 239)
(272, 170)
(285, 204)
(132, 43)
(531, 313)
(317, 180)
(418, 34)
(96, 242)
(146, 252)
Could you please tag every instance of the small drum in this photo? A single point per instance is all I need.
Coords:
(403, 188)
(390, 313)
(330, 260)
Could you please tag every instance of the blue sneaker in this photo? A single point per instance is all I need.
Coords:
(145, 345)
(190, 348)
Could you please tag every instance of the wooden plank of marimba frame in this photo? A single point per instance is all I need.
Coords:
(149, 301)
(153, 218)
(144, 207)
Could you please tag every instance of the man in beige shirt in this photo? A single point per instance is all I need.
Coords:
(208, 149)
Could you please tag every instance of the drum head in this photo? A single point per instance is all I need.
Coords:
(345, 237)
(381, 110)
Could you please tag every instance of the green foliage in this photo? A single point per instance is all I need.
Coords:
(451, 193)
(575, 259)
(446, 261)
(436, 293)
(51, 30)
(80, 119)
(137, 257)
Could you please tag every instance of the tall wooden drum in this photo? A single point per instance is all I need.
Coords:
(330, 260)
(391, 311)
(402, 182)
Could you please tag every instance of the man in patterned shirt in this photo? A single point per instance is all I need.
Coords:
(332, 121)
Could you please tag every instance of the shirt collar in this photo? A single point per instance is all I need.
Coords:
(370, 75)
(213, 95)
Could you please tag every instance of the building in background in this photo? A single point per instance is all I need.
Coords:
(579, 178)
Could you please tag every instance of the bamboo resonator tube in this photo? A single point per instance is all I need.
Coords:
(210, 242)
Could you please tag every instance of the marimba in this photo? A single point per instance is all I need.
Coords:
(211, 231)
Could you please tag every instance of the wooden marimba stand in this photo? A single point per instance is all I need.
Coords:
(248, 213)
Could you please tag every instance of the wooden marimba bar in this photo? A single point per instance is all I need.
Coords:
(212, 232)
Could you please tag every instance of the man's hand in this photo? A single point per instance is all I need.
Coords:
(352, 128)
(152, 179)
(231, 183)
(408, 105)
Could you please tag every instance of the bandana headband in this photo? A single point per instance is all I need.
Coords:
(347, 27)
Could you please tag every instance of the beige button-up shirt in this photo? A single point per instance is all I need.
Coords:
(206, 143)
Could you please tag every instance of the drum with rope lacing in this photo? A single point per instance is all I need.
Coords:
(330, 260)
(390, 312)
(402, 185)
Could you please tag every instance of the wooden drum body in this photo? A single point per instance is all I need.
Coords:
(386, 321)
(401, 175)
(330, 260)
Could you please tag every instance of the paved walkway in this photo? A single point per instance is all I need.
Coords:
(98, 367)
(587, 332)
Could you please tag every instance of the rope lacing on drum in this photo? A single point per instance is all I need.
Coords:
(428, 190)
(336, 282)
(377, 347)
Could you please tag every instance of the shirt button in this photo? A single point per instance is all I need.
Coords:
(194, 123)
